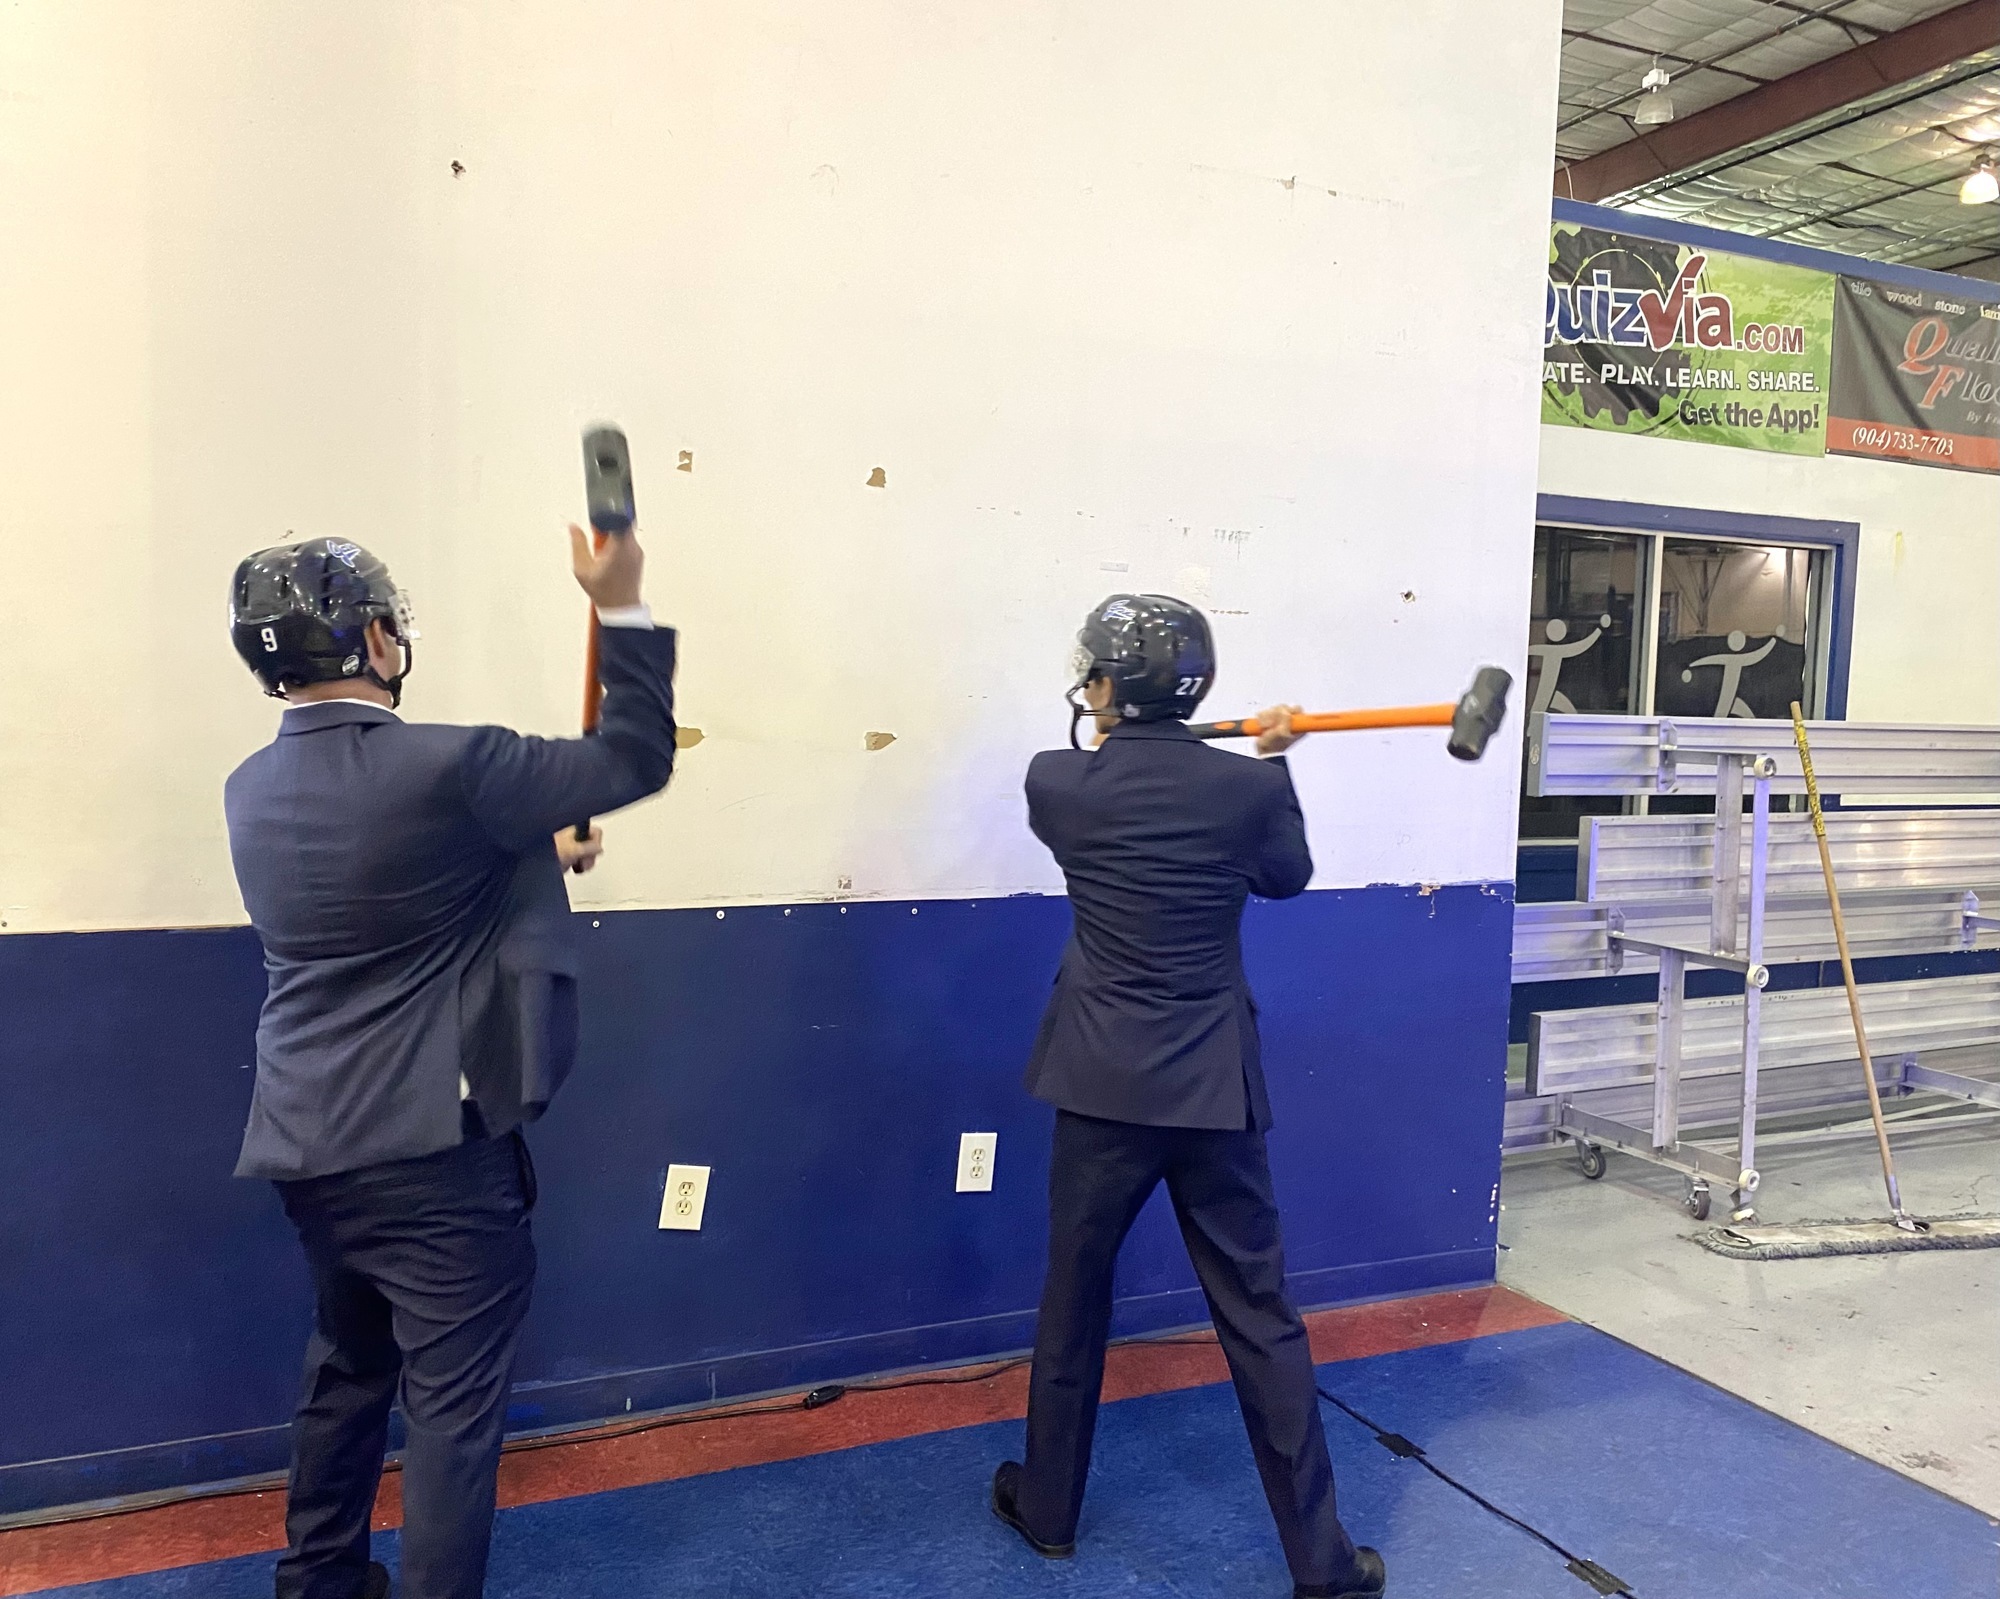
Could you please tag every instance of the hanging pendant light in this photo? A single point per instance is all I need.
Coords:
(1655, 105)
(1981, 185)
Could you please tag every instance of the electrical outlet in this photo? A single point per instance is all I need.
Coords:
(975, 1162)
(685, 1199)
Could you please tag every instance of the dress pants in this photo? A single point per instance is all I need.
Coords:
(1220, 1184)
(422, 1270)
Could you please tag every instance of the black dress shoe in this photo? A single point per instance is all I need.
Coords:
(375, 1581)
(1006, 1494)
(1369, 1579)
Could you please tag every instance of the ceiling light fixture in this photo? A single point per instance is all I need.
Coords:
(1655, 105)
(1982, 184)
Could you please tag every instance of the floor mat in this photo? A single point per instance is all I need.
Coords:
(1174, 1510)
(1675, 1487)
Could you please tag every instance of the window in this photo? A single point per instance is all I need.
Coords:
(1643, 624)
(1581, 654)
(1733, 629)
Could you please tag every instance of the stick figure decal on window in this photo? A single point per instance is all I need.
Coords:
(1728, 702)
(1549, 658)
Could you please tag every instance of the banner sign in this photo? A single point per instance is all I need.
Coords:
(1916, 377)
(1677, 342)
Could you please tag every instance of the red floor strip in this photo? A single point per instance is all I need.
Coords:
(196, 1531)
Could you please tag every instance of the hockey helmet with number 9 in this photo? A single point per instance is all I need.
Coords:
(299, 614)
(1154, 650)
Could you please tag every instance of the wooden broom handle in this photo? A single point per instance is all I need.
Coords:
(1846, 959)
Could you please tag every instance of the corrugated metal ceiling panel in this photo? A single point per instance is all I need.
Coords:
(1878, 180)
(1714, 50)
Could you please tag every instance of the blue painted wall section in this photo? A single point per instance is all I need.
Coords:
(822, 1059)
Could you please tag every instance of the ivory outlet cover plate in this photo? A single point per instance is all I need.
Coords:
(975, 1162)
(685, 1199)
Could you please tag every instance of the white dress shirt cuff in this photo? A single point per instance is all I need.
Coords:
(640, 615)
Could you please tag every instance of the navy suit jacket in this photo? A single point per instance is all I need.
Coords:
(1161, 837)
(404, 881)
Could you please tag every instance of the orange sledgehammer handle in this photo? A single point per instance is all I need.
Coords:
(1337, 721)
(593, 687)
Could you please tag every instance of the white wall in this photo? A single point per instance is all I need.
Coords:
(1926, 645)
(1243, 303)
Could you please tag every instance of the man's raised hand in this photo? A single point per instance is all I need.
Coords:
(610, 576)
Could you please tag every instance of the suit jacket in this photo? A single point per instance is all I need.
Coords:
(1161, 837)
(404, 881)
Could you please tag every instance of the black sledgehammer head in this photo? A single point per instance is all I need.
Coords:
(1481, 710)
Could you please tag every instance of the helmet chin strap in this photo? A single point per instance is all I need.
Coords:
(394, 685)
(1077, 712)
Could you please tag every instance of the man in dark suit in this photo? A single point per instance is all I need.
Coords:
(407, 883)
(1149, 1053)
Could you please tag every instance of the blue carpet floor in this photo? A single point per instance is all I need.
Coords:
(1678, 1489)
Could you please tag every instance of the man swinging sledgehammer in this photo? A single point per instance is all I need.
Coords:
(1149, 1053)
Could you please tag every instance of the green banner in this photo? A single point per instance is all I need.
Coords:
(1672, 341)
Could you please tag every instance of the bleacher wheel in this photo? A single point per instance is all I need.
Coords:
(1590, 1160)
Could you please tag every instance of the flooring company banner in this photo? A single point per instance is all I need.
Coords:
(1672, 341)
(1916, 377)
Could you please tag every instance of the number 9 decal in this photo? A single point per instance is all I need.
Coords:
(270, 637)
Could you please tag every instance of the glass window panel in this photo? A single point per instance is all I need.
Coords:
(1734, 636)
(1581, 654)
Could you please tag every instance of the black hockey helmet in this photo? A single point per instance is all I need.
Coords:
(1154, 650)
(298, 614)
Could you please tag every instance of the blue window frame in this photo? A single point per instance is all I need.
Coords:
(1546, 859)
(1841, 539)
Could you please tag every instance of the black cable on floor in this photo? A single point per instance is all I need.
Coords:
(601, 1432)
(1403, 1449)
(812, 1399)
(943, 1380)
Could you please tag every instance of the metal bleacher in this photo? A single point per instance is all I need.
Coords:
(1650, 898)
(1613, 1046)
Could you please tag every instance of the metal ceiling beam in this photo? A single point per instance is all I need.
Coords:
(1678, 63)
(1812, 91)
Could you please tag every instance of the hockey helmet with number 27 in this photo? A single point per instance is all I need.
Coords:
(1154, 650)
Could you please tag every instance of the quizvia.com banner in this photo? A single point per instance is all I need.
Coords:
(1671, 341)
(1916, 377)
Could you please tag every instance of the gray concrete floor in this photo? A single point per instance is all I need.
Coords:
(1894, 1356)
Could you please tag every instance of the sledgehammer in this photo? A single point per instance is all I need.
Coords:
(607, 482)
(1473, 719)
